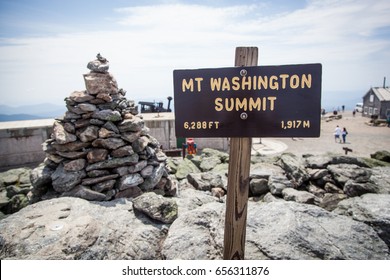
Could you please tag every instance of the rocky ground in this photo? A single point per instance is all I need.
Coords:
(300, 207)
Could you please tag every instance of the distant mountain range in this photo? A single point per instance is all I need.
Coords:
(31, 112)
(331, 100)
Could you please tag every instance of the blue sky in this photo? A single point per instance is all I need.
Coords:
(46, 45)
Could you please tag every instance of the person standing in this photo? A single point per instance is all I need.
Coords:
(344, 134)
(337, 134)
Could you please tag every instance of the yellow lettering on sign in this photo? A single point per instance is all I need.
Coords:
(247, 83)
(306, 81)
(274, 83)
(189, 85)
(245, 104)
(236, 83)
(215, 84)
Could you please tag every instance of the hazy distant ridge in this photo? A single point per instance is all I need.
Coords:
(31, 112)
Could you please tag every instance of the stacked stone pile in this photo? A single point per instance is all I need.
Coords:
(101, 149)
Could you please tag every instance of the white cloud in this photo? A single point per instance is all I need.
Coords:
(149, 42)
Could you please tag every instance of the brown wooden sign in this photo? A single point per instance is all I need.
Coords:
(248, 101)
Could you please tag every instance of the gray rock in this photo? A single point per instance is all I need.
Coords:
(109, 143)
(138, 166)
(111, 126)
(186, 167)
(332, 188)
(16, 203)
(104, 186)
(189, 199)
(113, 163)
(352, 188)
(153, 179)
(4, 200)
(288, 230)
(85, 193)
(82, 123)
(96, 83)
(140, 144)
(258, 187)
(97, 155)
(208, 163)
(15, 176)
(269, 197)
(61, 135)
(81, 96)
(72, 155)
(349, 160)
(344, 172)
(72, 228)
(129, 193)
(70, 116)
(278, 183)
(381, 155)
(147, 171)
(64, 181)
(70, 147)
(294, 168)
(86, 107)
(318, 174)
(131, 180)
(40, 180)
(290, 194)
(130, 136)
(205, 181)
(75, 165)
(317, 191)
(69, 127)
(371, 209)
(318, 161)
(331, 200)
(196, 234)
(97, 180)
(107, 115)
(98, 66)
(98, 173)
(106, 133)
(132, 125)
(156, 207)
(207, 152)
(123, 151)
(264, 170)
(381, 178)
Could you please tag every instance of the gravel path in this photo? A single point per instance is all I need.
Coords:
(362, 139)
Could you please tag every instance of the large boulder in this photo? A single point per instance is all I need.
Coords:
(289, 230)
(371, 209)
(344, 172)
(196, 234)
(73, 228)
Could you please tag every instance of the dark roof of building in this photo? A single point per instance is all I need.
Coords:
(383, 93)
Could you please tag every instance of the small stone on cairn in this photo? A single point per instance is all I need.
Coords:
(100, 149)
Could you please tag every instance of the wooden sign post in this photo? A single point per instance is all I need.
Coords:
(238, 178)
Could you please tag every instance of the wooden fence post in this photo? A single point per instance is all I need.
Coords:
(238, 178)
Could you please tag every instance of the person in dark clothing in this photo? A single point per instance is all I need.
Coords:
(344, 134)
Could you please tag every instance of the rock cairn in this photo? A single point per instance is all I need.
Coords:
(100, 149)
